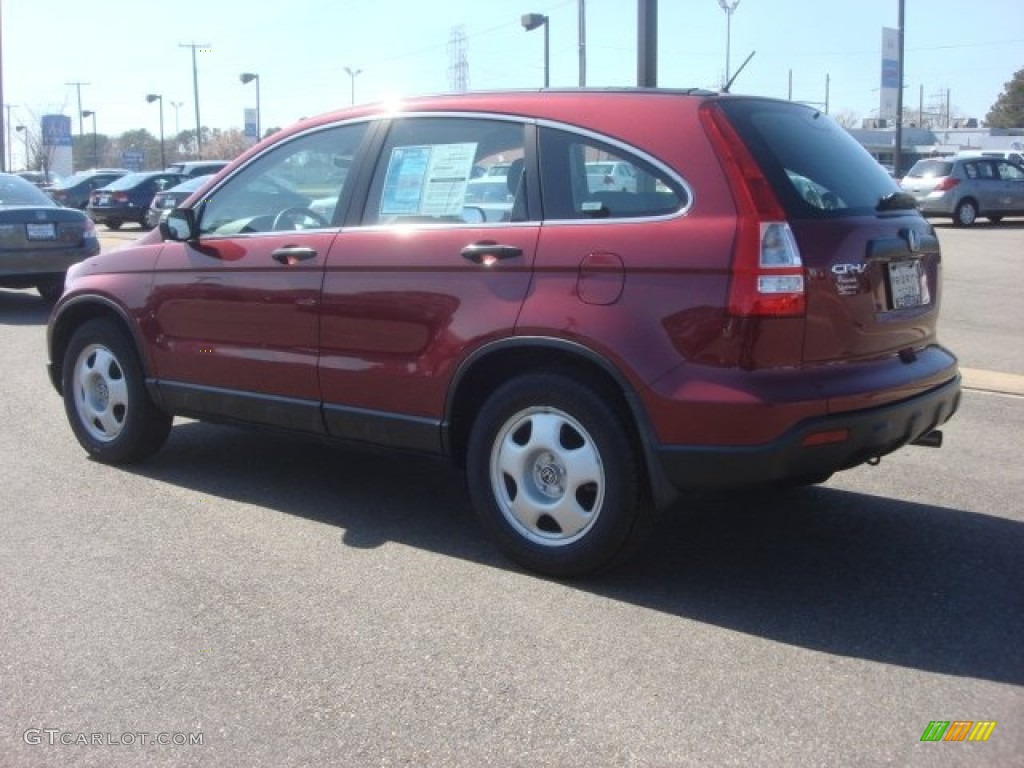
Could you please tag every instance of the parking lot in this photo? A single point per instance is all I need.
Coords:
(297, 604)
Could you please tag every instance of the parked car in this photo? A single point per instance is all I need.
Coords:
(39, 240)
(166, 200)
(1013, 155)
(192, 168)
(610, 176)
(74, 191)
(965, 188)
(41, 179)
(128, 198)
(491, 196)
(585, 361)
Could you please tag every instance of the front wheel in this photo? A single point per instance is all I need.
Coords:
(105, 396)
(555, 478)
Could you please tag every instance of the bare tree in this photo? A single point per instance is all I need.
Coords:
(846, 118)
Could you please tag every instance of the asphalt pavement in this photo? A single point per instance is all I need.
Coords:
(253, 600)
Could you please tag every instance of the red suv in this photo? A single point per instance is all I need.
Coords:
(760, 307)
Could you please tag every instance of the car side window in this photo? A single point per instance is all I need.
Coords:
(970, 170)
(455, 170)
(583, 178)
(986, 171)
(1010, 172)
(296, 185)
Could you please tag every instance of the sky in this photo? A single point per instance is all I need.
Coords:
(122, 50)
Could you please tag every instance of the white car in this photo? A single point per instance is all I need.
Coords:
(611, 175)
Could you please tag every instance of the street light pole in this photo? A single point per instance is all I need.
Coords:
(583, 43)
(530, 22)
(728, 6)
(158, 97)
(195, 92)
(352, 76)
(177, 105)
(95, 151)
(24, 131)
(10, 154)
(248, 77)
(78, 88)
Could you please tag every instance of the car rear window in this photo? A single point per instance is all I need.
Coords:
(927, 169)
(129, 181)
(17, 191)
(815, 166)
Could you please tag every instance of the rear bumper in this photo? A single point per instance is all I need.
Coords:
(871, 433)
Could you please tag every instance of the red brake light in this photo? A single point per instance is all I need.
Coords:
(119, 197)
(947, 183)
(767, 271)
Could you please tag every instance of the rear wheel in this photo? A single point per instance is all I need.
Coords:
(105, 396)
(555, 478)
(966, 213)
(114, 224)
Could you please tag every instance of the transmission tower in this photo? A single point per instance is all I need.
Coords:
(458, 67)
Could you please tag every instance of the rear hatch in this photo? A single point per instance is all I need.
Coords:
(871, 261)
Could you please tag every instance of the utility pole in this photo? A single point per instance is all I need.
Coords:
(583, 43)
(898, 153)
(647, 43)
(195, 91)
(2, 153)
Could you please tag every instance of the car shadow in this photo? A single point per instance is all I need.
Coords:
(926, 587)
(23, 308)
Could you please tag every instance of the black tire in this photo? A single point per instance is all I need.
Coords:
(114, 224)
(966, 213)
(555, 478)
(105, 397)
(51, 290)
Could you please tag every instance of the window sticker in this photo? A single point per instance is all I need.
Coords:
(427, 180)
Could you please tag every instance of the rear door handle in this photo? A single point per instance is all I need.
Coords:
(487, 252)
(292, 254)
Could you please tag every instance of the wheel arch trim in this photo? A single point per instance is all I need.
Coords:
(663, 492)
(71, 314)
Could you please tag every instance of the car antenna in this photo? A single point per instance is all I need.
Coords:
(737, 73)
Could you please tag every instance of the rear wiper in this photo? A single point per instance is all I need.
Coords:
(896, 200)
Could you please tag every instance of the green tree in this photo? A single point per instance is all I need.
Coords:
(1008, 111)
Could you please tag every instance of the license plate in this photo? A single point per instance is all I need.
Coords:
(46, 231)
(905, 284)
(103, 200)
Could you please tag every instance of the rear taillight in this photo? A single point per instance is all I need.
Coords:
(90, 228)
(947, 183)
(767, 271)
(119, 197)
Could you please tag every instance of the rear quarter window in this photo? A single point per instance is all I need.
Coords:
(583, 177)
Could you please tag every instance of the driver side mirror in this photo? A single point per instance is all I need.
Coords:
(180, 225)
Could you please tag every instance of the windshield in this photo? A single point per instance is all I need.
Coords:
(815, 166)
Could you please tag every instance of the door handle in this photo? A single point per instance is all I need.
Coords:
(292, 254)
(488, 252)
